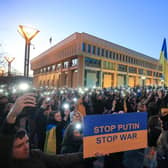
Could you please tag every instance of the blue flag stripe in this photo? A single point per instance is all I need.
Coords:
(106, 124)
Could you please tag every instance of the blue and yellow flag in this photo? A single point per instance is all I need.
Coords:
(164, 62)
(50, 140)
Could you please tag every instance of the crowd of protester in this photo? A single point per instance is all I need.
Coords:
(65, 108)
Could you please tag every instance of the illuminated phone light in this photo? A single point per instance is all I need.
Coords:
(78, 126)
(66, 106)
(23, 86)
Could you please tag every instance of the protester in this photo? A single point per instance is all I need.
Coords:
(69, 101)
(42, 117)
(162, 147)
(60, 126)
(14, 145)
(72, 140)
(154, 130)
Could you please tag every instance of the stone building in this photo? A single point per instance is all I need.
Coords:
(83, 60)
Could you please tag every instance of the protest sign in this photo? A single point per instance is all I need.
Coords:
(109, 133)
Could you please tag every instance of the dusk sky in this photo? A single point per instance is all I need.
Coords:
(138, 25)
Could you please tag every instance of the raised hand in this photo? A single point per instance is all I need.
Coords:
(27, 100)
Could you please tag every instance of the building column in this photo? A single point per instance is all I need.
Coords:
(137, 81)
(69, 76)
(62, 79)
(115, 79)
(101, 79)
(127, 79)
(115, 75)
(80, 78)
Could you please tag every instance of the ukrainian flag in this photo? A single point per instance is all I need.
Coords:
(164, 62)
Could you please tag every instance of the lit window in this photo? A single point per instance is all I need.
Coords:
(66, 64)
(74, 62)
(53, 67)
(58, 66)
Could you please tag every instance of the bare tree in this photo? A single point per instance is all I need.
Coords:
(2, 55)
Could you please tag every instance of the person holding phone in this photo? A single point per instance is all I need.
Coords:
(14, 144)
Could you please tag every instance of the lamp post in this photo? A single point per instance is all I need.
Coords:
(28, 34)
(9, 60)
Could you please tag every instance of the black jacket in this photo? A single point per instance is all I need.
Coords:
(37, 159)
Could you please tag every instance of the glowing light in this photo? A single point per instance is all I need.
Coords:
(143, 77)
(66, 106)
(27, 32)
(75, 99)
(62, 92)
(23, 86)
(78, 126)
(48, 98)
(14, 90)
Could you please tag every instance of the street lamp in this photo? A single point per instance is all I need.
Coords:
(28, 34)
(9, 60)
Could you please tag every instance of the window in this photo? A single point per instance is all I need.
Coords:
(114, 56)
(59, 66)
(66, 64)
(122, 68)
(53, 67)
(160, 74)
(83, 47)
(108, 65)
(110, 54)
(120, 57)
(126, 58)
(140, 71)
(107, 53)
(74, 62)
(149, 73)
(134, 60)
(132, 70)
(48, 68)
(117, 56)
(102, 52)
(98, 51)
(156, 74)
(93, 50)
(89, 48)
(92, 62)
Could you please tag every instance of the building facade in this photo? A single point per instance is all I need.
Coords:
(83, 60)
